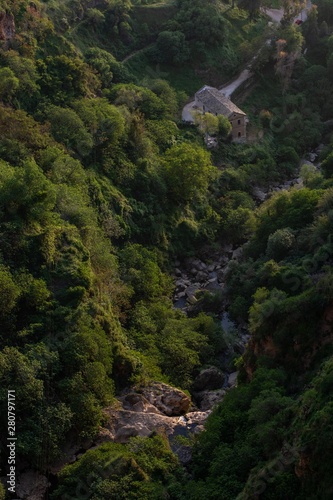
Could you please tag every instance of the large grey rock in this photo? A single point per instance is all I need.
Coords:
(180, 285)
(232, 380)
(259, 194)
(206, 400)
(138, 403)
(211, 267)
(184, 453)
(192, 300)
(124, 424)
(201, 276)
(237, 253)
(210, 378)
(191, 290)
(166, 399)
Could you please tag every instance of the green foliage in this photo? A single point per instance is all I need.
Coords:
(139, 98)
(183, 162)
(280, 243)
(100, 187)
(109, 69)
(9, 292)
(141, 271)
(224, 126)
(63, 78)
(172, 47)
(68, 128)
(8, 84)
(140, 469)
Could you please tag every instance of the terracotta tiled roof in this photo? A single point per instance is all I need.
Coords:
(216, 102)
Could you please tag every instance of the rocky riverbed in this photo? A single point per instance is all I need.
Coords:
(195, 276)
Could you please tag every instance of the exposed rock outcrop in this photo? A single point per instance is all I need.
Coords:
(158, 408)
(210, 378)
(154, 408)
(124, 424)
(7, 26)
(166, 399)
(208, 399)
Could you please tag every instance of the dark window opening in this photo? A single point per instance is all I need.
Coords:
(238, 122)
(239, 134)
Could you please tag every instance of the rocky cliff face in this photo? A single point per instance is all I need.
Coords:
(165, 409)
(7, 26)
(304, 352)
(156, 408)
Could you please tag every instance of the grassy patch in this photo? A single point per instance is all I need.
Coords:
(266, 94)
(180, 78)
(154, 16)
(274, 4)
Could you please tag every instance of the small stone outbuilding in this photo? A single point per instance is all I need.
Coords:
(208, 99)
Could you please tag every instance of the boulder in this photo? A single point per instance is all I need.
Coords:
(124, 424)
(210, 378)
(237, 253)
(201, 276)
(206, 400)
(259, 194)
(211, 268)
(168, 400)
(191, 290)
(183, 452)
(180, 285)
(192, 300)
(138, 403)
(232, 380)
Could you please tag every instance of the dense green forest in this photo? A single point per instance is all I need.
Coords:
(103, 188)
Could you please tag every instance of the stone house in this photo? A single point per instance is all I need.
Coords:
(208, 99)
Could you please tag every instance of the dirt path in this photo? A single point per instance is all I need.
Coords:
(228, 89)
(276, 15)
(127, 58)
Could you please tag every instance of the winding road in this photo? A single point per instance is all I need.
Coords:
(276, 16)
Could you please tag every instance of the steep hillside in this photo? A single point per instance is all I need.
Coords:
(107, 199)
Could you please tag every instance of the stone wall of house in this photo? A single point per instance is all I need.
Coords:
(199, 104)
(238, 126)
